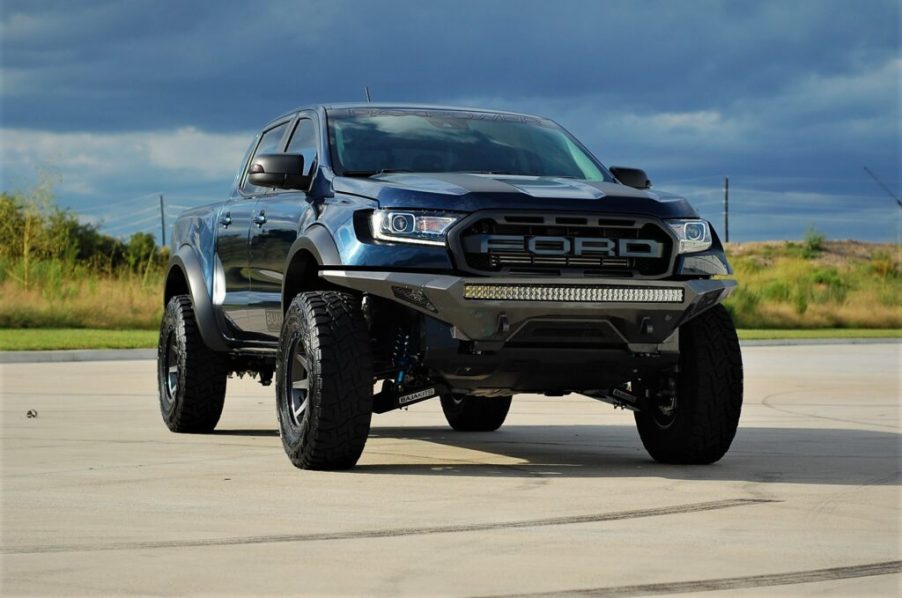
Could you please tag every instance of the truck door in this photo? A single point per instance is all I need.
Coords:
(232, 236)
(277, 220)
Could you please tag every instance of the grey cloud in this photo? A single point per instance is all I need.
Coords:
(273, 55)
(785, 96)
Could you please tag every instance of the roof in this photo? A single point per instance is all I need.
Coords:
(400, 106)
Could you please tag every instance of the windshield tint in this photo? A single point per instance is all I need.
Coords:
(370, 141)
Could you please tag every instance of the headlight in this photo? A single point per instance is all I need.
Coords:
(425, 228)
(694, 235)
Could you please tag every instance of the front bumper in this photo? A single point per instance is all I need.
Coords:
(576, 311)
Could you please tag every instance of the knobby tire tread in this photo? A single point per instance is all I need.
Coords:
(341, 380)
(202, 372)
(710, 394)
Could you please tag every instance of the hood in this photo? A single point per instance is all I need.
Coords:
(470, 192)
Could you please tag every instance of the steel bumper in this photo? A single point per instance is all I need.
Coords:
(642, 314)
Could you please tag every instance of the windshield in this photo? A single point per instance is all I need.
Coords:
(367, 141)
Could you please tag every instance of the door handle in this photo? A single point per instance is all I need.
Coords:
(226, 219)
(260, 219)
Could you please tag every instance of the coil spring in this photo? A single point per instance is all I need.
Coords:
(401, 354)
(401, 350)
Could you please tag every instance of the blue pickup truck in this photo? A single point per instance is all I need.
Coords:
(373, 256)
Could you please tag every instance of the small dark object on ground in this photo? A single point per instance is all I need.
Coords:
(31, 414)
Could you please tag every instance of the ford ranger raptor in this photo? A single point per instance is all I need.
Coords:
(372, 256)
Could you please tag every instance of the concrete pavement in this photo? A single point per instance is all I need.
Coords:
(99, 498)
(140, 354)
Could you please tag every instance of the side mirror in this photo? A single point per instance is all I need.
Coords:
(631, 177)
(283, 171)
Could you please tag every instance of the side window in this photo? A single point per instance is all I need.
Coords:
(269, 144)
(304, 141)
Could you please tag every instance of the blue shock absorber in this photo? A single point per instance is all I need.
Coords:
(401, 355)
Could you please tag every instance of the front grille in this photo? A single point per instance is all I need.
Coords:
(570, 244)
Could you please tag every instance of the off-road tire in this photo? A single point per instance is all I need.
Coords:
(475, 414)
(708, 398)
(191, 377)
(324, 340)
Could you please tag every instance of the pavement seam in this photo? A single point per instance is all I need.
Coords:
(389, 533)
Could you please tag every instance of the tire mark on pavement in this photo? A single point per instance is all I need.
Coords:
(735, 583)
(388, 533)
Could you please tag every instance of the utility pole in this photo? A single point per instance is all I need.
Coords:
(726, 209)
(162, 223)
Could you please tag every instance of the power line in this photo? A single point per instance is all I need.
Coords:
(117, 212)
(135, 224)
(884, 187)
(134, 199)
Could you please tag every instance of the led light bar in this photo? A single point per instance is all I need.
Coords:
(586, 294)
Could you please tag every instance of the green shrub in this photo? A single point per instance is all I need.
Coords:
(813, 243)
(776, 290)
(793, 249)
(828, 285)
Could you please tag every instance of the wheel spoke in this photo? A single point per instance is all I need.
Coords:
(299, 386)
(299, 411)
(172, 369)
(172, 380)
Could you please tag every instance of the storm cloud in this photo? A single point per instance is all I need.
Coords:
(791, 99)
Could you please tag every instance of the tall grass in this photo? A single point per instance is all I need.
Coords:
(58, 272)
(821, 284)
(69, 295)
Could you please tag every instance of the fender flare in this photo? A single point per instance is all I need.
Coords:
(187, 261)
(319, 242)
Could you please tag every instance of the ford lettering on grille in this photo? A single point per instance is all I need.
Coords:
(563, 246)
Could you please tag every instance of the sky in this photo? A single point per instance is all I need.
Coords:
(120, 101)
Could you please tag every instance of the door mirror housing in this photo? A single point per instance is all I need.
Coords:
(282, 171)
(631, 177)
